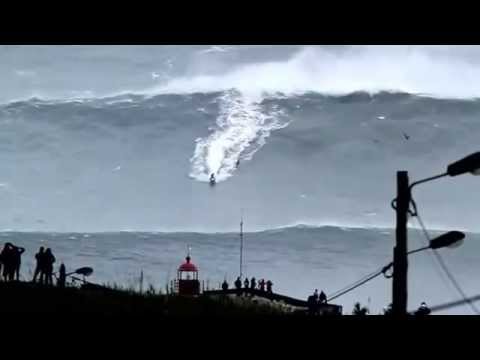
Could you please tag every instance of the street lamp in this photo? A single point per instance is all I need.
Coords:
(469, 164)
(84, 271)
(451, 239)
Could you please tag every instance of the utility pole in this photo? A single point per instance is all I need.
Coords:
(400, 262)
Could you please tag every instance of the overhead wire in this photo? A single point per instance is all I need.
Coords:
(438, 269)
(355, 285)
(443, 264)
(455, 303)
(440, 260)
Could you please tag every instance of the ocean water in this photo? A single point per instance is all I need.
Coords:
(106, 151)
(297, 259)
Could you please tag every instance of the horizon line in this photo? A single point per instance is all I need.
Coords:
(286, 227)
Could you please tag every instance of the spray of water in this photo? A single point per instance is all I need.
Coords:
(241, 129)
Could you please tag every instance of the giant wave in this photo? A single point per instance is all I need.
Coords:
(132, 150)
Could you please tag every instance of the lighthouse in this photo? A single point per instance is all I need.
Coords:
(187, 278)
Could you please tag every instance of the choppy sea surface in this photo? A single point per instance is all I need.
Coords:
(297, 260)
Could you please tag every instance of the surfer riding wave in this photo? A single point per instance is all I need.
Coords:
(212, 179)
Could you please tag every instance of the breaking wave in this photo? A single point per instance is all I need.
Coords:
(442, 72)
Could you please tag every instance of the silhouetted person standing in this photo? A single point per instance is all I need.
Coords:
(322, 298)
(40, 267)
(315, 296)
(312, 304)
(261, 285)
(8, 262)
(3, 262)
(269, 286)
(358, 310)
(225, 285)
(246, 283)
(253, 283)
(238, 285)
(49, 261)
(62, 277)
(423, 310)
(17, 252)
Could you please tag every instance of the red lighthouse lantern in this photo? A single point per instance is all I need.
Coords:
(187, 276)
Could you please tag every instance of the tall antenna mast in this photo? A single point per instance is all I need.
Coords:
(241, 244)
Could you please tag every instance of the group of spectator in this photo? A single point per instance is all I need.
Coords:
(11, 261)
(44, 266)
(251, 284)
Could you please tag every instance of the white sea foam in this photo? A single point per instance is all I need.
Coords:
(242, 127)
(432, 71)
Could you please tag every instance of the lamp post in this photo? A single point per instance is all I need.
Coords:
(469, 164)
(450, 239)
